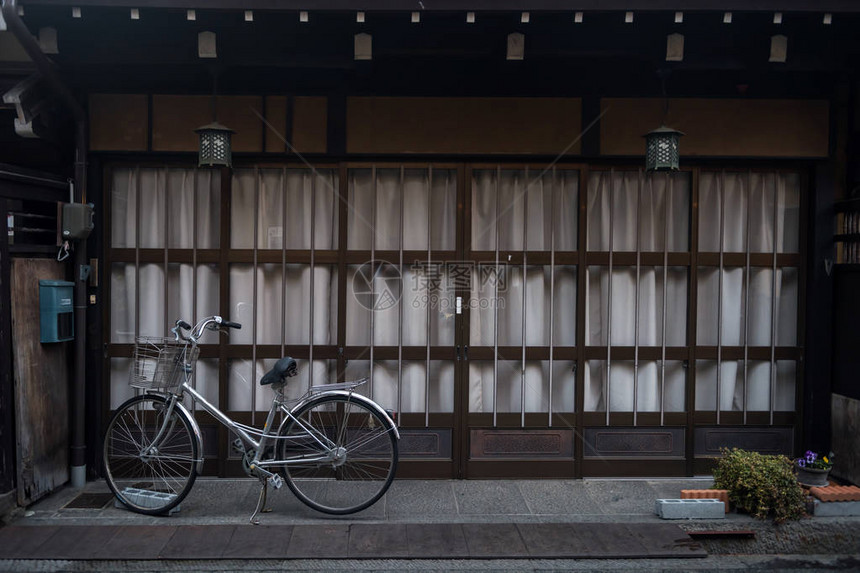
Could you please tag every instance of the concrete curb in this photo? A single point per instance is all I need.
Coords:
(690, 509)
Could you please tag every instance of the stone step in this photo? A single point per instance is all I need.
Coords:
(838, 509)
(690, 509)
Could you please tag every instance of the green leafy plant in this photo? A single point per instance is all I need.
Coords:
(760, 484)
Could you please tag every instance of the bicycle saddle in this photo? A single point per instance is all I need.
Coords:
(283, 369)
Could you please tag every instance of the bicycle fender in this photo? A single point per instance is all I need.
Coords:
(355, 398)
(197, 434)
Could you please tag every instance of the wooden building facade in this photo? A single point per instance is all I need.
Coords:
(541, 305)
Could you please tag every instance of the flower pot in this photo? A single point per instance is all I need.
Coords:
(812, 477)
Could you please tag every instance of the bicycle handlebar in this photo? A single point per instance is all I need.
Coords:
(211, 322)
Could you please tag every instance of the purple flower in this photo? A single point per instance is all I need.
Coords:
(801, 463)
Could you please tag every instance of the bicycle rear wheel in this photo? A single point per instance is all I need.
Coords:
(150, 478)
(340, 455)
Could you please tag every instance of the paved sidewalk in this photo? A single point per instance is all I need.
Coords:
(231, 501)
(565, 506)
(351, 541)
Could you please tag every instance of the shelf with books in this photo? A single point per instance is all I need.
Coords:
(847, 231)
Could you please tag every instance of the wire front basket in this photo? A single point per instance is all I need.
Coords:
(161, 363)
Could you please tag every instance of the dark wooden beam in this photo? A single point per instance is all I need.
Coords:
(97, 386)
(15, 190)
(443, 55)
(818, 364)
(477, 5)
(10, 173)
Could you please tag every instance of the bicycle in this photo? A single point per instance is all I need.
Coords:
(337, 449)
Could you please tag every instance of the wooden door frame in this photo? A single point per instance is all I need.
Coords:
(458, 467)
(534, 423)
(409, 466)
(7, 409)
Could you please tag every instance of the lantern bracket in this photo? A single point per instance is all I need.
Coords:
(215, 147)
(662, 145)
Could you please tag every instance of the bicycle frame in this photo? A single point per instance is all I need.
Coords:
(279, 405)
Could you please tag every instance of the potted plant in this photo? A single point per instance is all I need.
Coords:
(812, 469)
(760, 485)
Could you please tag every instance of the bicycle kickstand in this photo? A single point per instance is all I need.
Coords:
(266, 477)
(261, 504)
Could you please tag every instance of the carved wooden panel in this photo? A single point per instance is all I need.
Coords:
(425, 443)
(548, 443)
(634, 442)
(777, 440)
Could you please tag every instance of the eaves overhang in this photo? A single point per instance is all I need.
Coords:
(479, 5)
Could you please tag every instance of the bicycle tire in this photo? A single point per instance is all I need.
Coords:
(358, 466)
(140, 479)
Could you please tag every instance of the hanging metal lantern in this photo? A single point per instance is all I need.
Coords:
(216, 148)
(663, 149)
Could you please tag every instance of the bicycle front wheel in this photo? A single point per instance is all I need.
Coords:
(340, 455)
(150, 459)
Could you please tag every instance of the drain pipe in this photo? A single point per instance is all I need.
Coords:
(49, 73)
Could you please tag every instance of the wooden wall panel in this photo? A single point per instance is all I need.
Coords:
(310, 124)
(544, 126)
(11, 49)
(175, 117)
(118, 122)
(720, 127)
(41, 386)
(240, 113)
(276, 118)
(845, 425)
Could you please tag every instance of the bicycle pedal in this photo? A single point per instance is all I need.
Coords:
(276, 481)
(238, 446)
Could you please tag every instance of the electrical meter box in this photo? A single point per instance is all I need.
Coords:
(56, 311)
(77, 220)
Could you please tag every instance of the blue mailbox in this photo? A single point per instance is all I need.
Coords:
(56, 311)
